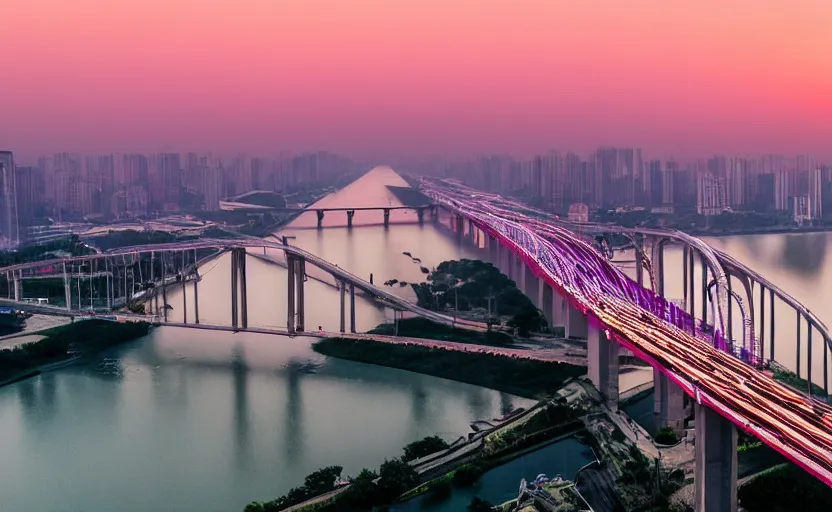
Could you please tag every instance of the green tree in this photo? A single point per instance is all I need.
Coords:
(395, 477)
(322, 480)
(526, 321)
(423, 447)
(363, 491)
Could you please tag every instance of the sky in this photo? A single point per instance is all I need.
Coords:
(409, 77)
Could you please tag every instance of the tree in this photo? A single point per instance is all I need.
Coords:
(322, 480)
(426, 446)
(362, 492)
(526, 321)
(479, 505)
(395, 477)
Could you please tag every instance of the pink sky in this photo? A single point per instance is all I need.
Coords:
(415, 76)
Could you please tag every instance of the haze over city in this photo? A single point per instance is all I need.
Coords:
(373, 78)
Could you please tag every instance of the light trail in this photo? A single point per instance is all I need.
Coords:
(792, 423)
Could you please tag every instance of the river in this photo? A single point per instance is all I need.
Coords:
(193, 420)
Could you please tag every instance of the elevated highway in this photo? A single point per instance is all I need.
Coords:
(620, 311)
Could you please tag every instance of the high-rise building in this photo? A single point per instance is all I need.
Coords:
(29, 182)
(710, 195)
(8, 201)
(815, 195)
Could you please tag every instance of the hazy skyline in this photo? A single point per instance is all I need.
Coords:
(380, 77)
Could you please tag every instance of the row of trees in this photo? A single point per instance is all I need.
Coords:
(367, 490)
(466, 284)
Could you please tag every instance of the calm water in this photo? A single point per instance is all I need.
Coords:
(193, 420)
(502, 483)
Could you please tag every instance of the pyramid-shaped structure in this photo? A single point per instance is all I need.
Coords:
(368, 191)
(381, 187)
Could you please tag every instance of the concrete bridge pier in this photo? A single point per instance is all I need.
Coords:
(320, 214)
(603, 364)
(300, 276)
(547, 296)
(509, 264)
(67, 290)
(520, 273)
(352, 308)
(350, 215)
(342, 288)
(387, 217)
(531, 285)
(241, 265)
(668, 403)
(575, 322)
(420, 214)
(493, 250)
(715, 475)
(235, 268)
(196, 294)
(18, 288)
(290, 298)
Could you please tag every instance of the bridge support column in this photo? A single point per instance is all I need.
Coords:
(300, 275)
(196, 294)
(493, 250)
(235, 268)
(17, 287)
(350, 215)
(320, 218)
(241, 264)
(387, 217)
(546, 302)
(668, 403)
(164, 288)
(575, 322)
(420, 214)
(531, 285)
(67, 290)
(290, 297)
(343, 290)
(460, 226)
(603, 363)
(715, 475)
(558, 309)
(352, 308)
(519, 272)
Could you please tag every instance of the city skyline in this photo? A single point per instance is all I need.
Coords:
(372, 79)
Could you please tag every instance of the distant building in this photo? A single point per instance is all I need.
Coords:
(710, 193)
(8, 201)
(578, 212)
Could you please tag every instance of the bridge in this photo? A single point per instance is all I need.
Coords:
(576, 287)
(582, 290)
(161, 267)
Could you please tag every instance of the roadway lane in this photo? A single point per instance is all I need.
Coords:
(792, 423)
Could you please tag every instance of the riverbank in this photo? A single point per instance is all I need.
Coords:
(757, 231)
(522, 377)
(423, 328)
(65, 344)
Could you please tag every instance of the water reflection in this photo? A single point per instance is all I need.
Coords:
(804, 253)
(294, 415)
(239, 372)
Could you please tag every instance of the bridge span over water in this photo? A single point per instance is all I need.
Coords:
(579, 288)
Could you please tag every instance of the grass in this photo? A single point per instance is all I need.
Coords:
(522, 377)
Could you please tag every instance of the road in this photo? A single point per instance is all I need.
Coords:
(790, 422)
